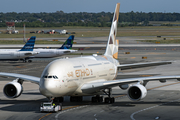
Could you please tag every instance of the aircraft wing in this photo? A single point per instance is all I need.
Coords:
(22, 77)
(97, 86)
(138, 65)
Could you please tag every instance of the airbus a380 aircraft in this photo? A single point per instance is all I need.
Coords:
(84, 76)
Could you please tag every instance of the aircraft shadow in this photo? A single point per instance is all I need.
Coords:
(34, 105)
(21, 105)
(133, 104)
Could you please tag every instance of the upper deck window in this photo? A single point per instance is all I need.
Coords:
(77, 66)
(95, 64)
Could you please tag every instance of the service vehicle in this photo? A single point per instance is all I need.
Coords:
(50, 107)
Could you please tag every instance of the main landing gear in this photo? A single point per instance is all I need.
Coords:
(29, 61)
(97, 99)
(108, 99)
(76, 99)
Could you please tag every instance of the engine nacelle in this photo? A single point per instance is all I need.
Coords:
(137, 92)
(124, 87)
(13, 89)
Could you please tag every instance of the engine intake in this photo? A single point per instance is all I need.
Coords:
(13, 89)
(137, 92)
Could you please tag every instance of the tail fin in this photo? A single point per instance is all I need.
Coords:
(112, 45)
(29, 46)
(68, 44)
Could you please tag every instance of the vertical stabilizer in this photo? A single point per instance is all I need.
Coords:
(115, 55)
(29, 46)
(68, 44)
(112, 44)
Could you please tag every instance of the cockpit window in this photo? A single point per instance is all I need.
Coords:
(49, 76)
(54, 76)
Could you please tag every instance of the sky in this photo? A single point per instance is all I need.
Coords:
(95, 6)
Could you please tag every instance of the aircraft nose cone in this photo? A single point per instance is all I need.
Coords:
(50, 88)
(46, 88)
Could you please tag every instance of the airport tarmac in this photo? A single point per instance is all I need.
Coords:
(162, 100)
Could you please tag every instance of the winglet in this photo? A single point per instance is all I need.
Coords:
(111, 48)
(29, 46)
(68, 44)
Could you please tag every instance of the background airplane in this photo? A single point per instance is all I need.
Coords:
(66, 48)
(84, 76)
(16, 54)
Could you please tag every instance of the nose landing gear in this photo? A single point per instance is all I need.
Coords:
(109, 99)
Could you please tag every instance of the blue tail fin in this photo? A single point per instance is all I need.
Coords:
(29, 46)
(68, 44)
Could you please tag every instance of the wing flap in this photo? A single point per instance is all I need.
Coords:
(21, 76)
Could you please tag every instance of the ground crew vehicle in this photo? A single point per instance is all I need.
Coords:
(50, 107)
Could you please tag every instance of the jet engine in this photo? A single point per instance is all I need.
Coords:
(13, 89)
(137, 92)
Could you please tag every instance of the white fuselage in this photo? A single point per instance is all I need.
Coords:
(15, 54)
(48, 53)
(64, 77)
(42, 53)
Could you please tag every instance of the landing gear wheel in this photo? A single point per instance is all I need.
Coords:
(97, 99)
(76, 99)
(109, 99)
(93, 99)
(106, 100)
(29, 61)
(112, 100)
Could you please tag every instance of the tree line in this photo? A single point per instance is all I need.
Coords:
(102, 19)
